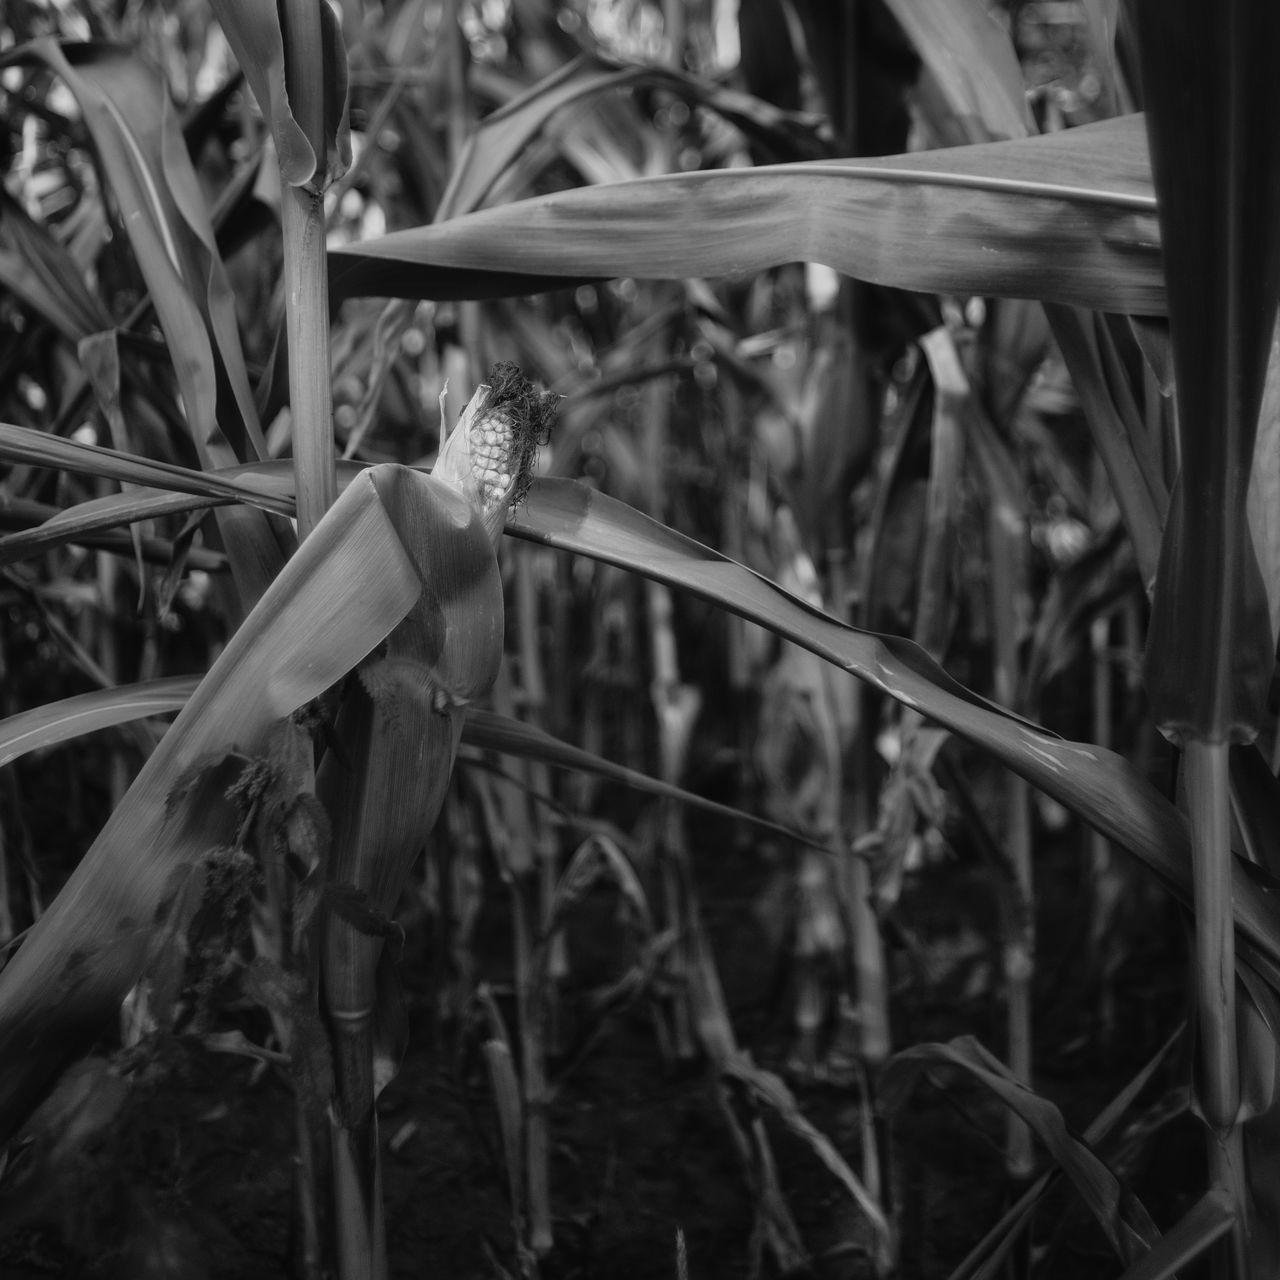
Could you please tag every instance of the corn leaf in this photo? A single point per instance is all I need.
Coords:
(1098, 785)
(254, 33)
(1125, 1223)
(40, 449)
(40, 272)
(24, 515)
(344, 591)
(1216, 159)
(970, 56)
(985, 1260)
(140, 147)
(68, 718)
(1067, 217)
(504, 134)
(1209, 1219)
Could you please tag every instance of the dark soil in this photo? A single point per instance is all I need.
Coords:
(188, 1170)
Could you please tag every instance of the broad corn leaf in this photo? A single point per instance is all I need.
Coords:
(253, 29)
(1066, 217)
(1216, 158)
(351, 583)
(1100, 786)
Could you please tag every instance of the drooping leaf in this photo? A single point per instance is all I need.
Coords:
(1125, 1223)
(985, 1260)
(1101, 787)
(1216, 161)
(1067, 217)
(1209, 1219)
(1098, 785)
(487, 730)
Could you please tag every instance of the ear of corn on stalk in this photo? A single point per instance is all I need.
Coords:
(399, 725)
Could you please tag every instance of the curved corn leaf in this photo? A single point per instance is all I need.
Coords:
(1101, 787)
(68, 718)
(253, 31)
(986, 1259)
(1067, 217)
(342, 593)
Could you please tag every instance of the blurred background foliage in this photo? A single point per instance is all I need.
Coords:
(915, 464)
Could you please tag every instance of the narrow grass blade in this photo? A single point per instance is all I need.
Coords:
(1067, 217)
(1118, 435)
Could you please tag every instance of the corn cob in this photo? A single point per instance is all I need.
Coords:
(489, 455)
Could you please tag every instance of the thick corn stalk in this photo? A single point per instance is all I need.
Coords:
(398, 732)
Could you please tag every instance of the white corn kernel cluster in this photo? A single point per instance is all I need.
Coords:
(491, 438)
(488, 457)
